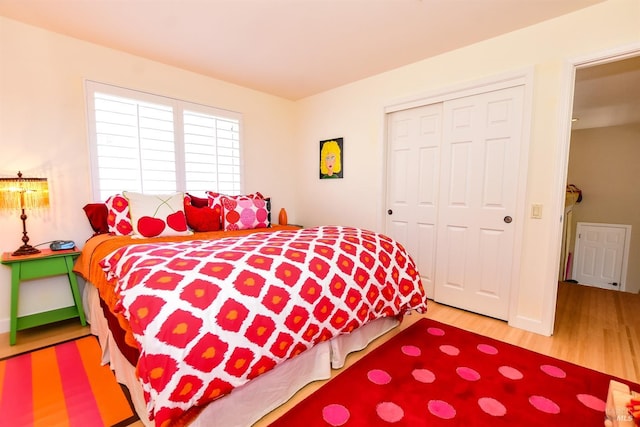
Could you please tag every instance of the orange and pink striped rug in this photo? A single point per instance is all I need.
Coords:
(63, 385)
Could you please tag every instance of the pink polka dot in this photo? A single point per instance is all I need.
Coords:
(593, 402)
(468, 374)
(389, 412)
(245, 203)
(553, 371)
(441, 409)
(262, 214)
(544, 405)
(411, 350)
(335, 415)
(492, 406)
(378, 376)
(450, 350)
(423, 375)
(487, 349)
(511, 373)
(435, 332)
(247, 217)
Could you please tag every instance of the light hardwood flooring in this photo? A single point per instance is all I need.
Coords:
(595, 328)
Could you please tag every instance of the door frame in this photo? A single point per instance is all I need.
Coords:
(562, 165)
(522, 77)
(625, 249)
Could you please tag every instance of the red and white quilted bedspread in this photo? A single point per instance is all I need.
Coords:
(211, 315)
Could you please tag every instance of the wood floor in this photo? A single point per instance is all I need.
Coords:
(595, 328)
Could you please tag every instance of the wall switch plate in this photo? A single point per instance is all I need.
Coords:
(536, 211)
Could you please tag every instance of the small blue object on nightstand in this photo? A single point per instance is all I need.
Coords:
(61, 245)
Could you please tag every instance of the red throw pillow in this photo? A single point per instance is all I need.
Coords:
(198, 202)
(97, 216)
(202, 219)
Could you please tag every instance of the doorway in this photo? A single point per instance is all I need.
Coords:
(603, 141)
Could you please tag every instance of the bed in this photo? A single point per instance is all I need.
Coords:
(266, 311)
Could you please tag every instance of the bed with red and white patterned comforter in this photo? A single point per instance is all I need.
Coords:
(210, 316)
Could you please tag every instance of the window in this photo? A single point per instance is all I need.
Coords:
(153, 144)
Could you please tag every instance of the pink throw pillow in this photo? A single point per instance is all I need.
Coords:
(244, 212)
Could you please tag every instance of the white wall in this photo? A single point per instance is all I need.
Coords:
(354, 112)
(43, 133)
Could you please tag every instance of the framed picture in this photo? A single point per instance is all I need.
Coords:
(331, 159)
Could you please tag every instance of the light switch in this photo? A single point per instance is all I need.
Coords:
(536, 211)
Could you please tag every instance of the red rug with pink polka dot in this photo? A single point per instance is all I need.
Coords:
(433, 374)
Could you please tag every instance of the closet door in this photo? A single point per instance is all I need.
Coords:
(413, 168)
(480, 157)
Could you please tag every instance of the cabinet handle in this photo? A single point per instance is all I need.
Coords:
(390, 212)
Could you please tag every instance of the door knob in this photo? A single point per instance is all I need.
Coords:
(508, 219)
(390, 212)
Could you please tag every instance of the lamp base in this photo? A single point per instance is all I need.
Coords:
(26, 250)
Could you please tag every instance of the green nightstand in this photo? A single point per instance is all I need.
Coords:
(45, 264)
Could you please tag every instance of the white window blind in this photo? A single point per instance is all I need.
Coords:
(211, 141)
(153, 144)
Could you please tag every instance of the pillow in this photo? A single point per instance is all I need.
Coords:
(201, 219)
(198, 202)
(268, 202)
(97, 215)
(157, 215)
(118, 219)
(244, 212)
(215, 200)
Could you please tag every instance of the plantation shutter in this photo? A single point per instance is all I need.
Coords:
(135, 146)
(212, 153)
(152, 144)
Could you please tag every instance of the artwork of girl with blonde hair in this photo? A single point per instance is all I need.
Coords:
(331, 158)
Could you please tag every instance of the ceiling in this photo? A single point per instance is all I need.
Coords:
(607, 94)
(288, 48)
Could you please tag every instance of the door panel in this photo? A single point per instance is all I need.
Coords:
(490, 241)
(478, 189)
(414, 137)
(456, 248)
(459, 186)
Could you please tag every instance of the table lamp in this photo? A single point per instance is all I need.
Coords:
(24, 193)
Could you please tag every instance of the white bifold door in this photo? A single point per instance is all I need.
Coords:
(452, 193)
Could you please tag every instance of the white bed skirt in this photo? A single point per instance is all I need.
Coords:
(250, 402)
